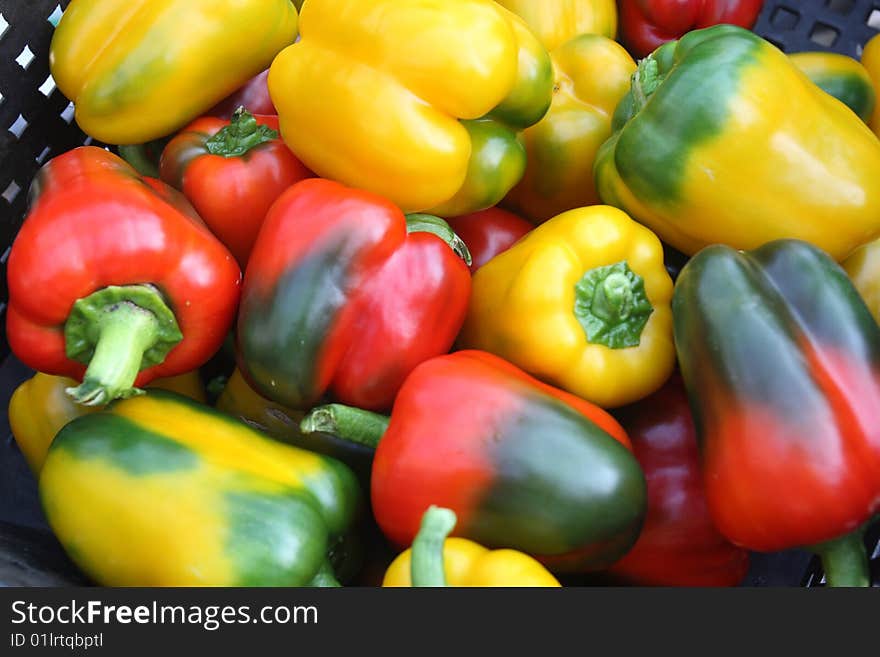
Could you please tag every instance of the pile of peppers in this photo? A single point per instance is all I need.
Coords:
(434, 251)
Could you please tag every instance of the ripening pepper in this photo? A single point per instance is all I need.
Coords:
(231, 171)
(378, 95)
(781, 361)
(582, 302)
(647, 24)
(592, 74)
(863, 267)
(344, 295)
(138, 70)
(679, 544)
(240, 400)
(253, 95)
(871, 62)
(39, 407)
(522, 464)
(706, 150)
(112, 285)
(840, 76)
(157, 490)
(556, 21)
(435, 560)
(488, 232)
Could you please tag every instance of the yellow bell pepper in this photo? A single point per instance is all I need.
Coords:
(418, 101)
(839, 76)
(863, 267)
(137, 70)
(435, 560)
(557, 21)
(871, 62)
(583, 303)
(40, 406)
(592, 73)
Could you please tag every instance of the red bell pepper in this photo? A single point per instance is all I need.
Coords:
(232, 171)
(105, 273)
(781, 360)
(253, 95)
(488, 232)
(645, 25)
(679, 544)
(522, 464)
(344, 295)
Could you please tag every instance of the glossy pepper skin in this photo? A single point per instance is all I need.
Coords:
(435, 560)
(871, 62)
(158, 490)
(705, 151)
(138, 70)
(840, 76)
(582, 303)
(592, 74)
(378, 95)
(645, 25)
(334, 280)
(488, 232)
(523, 465)
(106, 273)
(556, 21)
(781, 360)
(39, 407)
(679, 544)
(863, 268)
(231, 171)
(253, 95)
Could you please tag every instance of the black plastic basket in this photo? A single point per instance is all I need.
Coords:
(36, 124)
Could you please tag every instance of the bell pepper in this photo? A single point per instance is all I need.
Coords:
(592, 74)
(345, 295)
(645, 25)
(488, 232)
(863, 267)
(781, 360)
(378, 95)
(111, 285)
(556, 21)
(39, 407)
(705, 150)
(240, 400)
(253, 95)
(435, 560)
(158, 490)
(839, 76)
(231, 171)
(582, 303)
(523, 465)
(871, 62)
(138, 70)
(679, 544)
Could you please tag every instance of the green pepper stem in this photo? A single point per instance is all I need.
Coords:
(845, 561)
(417, 222)
(645, 81)
(325, 577)
(347, 423)
(241, 135)
(117, 332)
(136, 156)
(612, 306)
(427, 562)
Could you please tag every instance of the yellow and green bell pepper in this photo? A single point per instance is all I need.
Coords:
(138, 70)
(863, 267)
(556, 21)
(419, 102)
(435, 560)
(722, 139)
(40, 406)
(871, 62)
(840, 76)
(581, 302)
(158, 490)
(592, 73)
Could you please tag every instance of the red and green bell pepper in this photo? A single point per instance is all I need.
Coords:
(488, 232)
